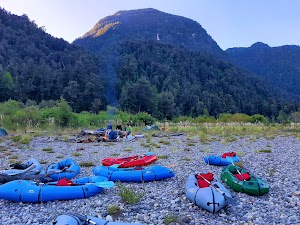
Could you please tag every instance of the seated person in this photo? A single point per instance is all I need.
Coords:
(119, 127)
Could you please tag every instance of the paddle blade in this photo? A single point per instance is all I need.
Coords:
(105, 184)
(229, 159)
(150, 153)
(239, 164)
(230, 200)
(115, 165)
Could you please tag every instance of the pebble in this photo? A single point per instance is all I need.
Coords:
(163, 199)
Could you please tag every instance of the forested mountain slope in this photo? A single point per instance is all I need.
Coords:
(34, 65)
(279, 65)
(168, 81)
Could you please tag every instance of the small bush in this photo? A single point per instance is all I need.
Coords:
(271, 171)
(128, 149)
(165, 142)
(265, 151)
(190, 144)
(128, 195)
(170, 219)
(49, 150)
(162, 156)
(86, 164)
(11, 161)
(13, 157)
(76, 154)
(113, 210)
(25, 140)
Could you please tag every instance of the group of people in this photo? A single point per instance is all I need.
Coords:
(111, 134)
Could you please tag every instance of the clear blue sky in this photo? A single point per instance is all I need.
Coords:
(231, 23)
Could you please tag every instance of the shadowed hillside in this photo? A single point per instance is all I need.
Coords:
(279, 65)
(34, 65)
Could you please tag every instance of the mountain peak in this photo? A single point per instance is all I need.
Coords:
(149, 24)
(259, 45)
(146, 10)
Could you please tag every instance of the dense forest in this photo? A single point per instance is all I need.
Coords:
(36, 66)
(278, 65)
(165, 79)
(168, 82)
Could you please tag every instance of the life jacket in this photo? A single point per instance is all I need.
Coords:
(203, 183)
(230, 154)
(65, 182)
(243, 176)
(112, 135)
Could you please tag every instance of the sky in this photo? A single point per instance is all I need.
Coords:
(231, 23)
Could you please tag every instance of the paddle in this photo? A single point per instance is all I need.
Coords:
(83, 218)
(102, 184)
(228, 198)
(25, 171)
(105, 184)
(230, 160)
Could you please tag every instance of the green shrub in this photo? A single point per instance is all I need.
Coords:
(265, 151)
(170, 219)
(13, 157)
(10, 107)
(128, 195)
(190, 144)
(113, 210)
(165, 142)
(76, 154)
(142, 117)
(25, 139)
(128, 149)
(162, 156)
(16, 138)
(205, 119)
(238, 117)
(257, 118)
(49, 150)
(87, 164)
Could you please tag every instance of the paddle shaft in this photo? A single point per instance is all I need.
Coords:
(230, 160)
(223, 193)
(84, 218)
(228, 198)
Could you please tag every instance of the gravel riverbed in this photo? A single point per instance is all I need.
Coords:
(166, 199)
